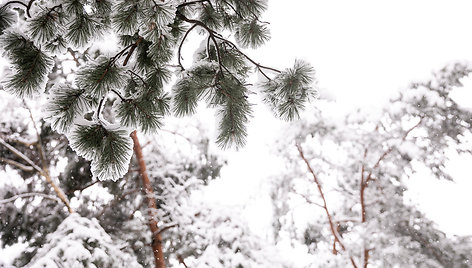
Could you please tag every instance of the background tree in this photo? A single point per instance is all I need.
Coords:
(353, 171)
(114, 215)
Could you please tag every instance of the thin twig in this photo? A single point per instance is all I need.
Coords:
(21, 155)
(133, 47)
(16, 164)
(13, 198)
(83, 187)
(181, 261)
(210, 32)
(179, 51)
(45, 170)
(336, 235)
(191, 3)
(390, 149)
(167, 228)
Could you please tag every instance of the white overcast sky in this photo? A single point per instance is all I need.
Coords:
(363, 51)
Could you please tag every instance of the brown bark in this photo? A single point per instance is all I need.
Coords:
(363, 213)
(325, 207)
(151, 203)
(363, 186)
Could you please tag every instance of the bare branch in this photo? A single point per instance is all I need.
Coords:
(167, 228)
(45, 170)
(21, 155)
(337, 237)
(16, 164)
(13, 198)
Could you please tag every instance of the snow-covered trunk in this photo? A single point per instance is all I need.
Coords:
(151, 203)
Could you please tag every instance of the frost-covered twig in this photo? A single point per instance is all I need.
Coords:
(13, 198)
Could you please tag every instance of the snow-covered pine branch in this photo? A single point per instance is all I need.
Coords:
(130, 80)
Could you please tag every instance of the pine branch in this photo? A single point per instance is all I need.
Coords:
(133, 47)
(191, 3)
(259, 66)
(179, 51)
(210, 32)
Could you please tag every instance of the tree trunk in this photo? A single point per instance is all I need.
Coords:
(151, 203)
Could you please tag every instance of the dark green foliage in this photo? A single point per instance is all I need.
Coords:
(87, 140)
(125, 19)
(188, 90)
(161, 50)
(249, 8)
(288, 92)
(99, 77)
(112, 159)
(234, 117)
(46, 25)
(211, 17)
(157, 17)
(151, 34)
(109, 149)
(66, 104)
(30, 66)
(56, 45)
(144, 61)
(141, 112)
(6, 19)
(81, 30)
(156, 79)
(186, 97)
(102, 7)
(73, 7)
(252, 34)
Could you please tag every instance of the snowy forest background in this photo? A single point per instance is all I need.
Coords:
(373, 173)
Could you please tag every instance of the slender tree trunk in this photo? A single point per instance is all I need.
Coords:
(151, 203)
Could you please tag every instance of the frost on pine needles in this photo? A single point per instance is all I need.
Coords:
(127, 86)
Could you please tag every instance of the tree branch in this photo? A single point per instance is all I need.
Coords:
(191, 3)
(167, 228)
(16, 164)
(45, 170)
(13, 198)
(210, 32)
(390, 149)
(332, 227)
(21, 155)
(179, 51)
